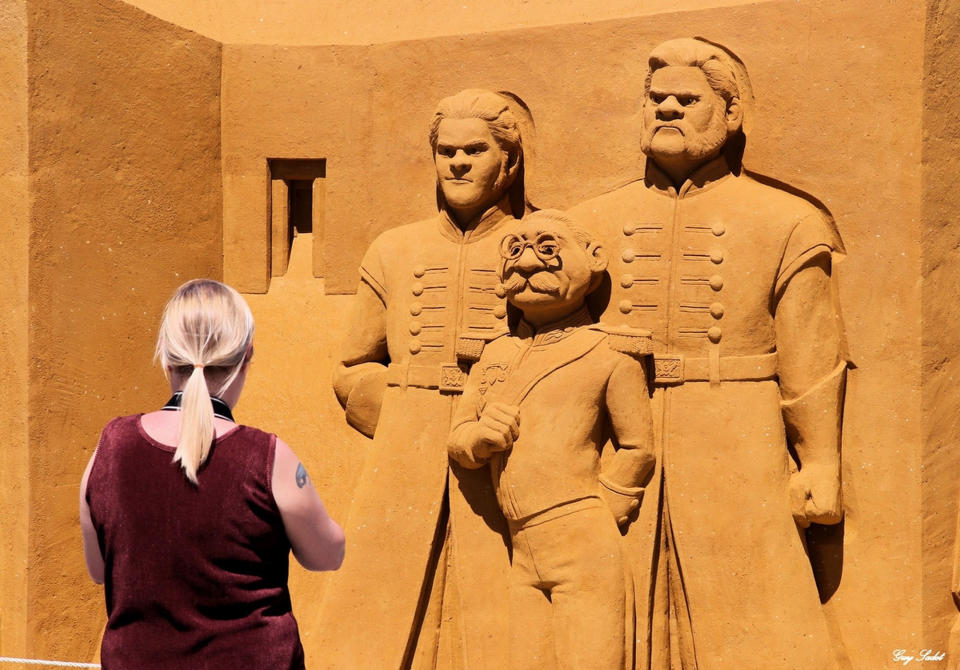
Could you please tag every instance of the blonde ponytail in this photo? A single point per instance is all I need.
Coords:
(196, 424)
(207, 327)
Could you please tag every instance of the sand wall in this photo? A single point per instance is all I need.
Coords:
(125, 205)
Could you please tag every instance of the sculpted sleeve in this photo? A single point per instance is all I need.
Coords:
(628, 405)
(814, 233)
(361, 376)
(812, 356)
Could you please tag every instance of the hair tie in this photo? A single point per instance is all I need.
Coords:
(198, 366)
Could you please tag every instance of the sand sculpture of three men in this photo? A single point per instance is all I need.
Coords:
(597, 435)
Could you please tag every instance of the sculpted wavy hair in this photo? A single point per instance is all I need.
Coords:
(496, 111)
(715, 62)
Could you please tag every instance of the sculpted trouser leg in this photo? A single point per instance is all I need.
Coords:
(531, 618)
(480, 572)
(578, 560)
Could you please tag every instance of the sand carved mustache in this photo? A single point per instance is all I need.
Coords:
(541, 282)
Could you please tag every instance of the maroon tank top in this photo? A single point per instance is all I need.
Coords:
(196, 576)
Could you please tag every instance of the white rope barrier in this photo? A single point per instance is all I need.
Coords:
(37, 661)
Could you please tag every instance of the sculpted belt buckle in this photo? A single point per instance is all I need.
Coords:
(452, 379)
(668, 369)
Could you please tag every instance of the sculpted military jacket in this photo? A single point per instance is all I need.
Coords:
(733, 278)
(574, 391)
(707, 269)
(426, 304)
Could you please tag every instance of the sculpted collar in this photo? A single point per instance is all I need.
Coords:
(486, 223)
(702, 178)
(556, 331)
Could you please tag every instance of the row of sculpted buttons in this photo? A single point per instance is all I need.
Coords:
(417, 289)
(716, 308)
(499, 310)
(718, 229)
(714, 255)
(716, 311)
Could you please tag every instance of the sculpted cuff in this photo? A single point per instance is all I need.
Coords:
(632, 491)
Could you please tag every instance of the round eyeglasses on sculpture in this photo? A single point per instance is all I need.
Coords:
(545, 246)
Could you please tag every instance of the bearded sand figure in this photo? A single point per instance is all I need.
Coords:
(425, 545)
(538, 407)
(734, 279)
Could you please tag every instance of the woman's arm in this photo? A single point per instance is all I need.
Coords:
(91, 546)
(317, 541)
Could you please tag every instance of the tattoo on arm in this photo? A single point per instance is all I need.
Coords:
(301, 476)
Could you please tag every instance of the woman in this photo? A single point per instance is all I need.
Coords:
(188, 519)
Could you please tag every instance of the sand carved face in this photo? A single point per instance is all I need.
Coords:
(683, 117)
(547, 272)
(471, 166)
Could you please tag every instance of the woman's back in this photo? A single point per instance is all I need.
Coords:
(196, 575)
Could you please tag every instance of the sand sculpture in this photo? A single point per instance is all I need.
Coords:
(539, 406)
(141, 138)
(426, 304)
(733, 278)
(729, 276)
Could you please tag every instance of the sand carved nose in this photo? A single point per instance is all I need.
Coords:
(528, 261)
(670, 109)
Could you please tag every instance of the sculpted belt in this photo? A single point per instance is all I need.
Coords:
(670, 369)
(445, 378)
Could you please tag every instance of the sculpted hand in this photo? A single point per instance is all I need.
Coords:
(815, 495)
(497, 429)
(621, 505)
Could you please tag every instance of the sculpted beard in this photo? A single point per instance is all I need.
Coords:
(696, 145)
(541, 282)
